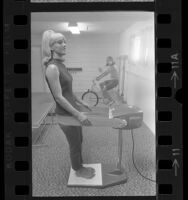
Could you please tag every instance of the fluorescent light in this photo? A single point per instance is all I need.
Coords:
(73, 28)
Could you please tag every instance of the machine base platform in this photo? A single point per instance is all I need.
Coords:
(106, 175)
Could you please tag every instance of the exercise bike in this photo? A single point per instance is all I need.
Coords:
(94, 95)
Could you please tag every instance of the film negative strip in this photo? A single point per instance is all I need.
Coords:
(20, 21)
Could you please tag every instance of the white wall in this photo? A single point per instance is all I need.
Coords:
(87, 52)
(139, 85)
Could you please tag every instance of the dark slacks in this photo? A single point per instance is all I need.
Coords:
(108, 85)
(74, 137)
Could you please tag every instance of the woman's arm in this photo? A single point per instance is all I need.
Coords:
(52, 74)
(105, 73)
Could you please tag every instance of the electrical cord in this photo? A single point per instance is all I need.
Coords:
(134, 161)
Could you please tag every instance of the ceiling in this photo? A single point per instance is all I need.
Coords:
(88, 22)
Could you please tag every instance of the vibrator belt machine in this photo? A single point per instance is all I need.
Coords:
(120, 117)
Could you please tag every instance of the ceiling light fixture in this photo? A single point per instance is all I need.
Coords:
(73, 28)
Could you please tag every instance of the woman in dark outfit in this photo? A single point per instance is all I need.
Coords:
(60, 83)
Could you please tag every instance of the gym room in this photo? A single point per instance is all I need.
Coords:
(118, 149)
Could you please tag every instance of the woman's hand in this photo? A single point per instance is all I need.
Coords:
(84, 120)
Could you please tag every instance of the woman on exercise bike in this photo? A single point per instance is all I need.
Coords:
(109, 72)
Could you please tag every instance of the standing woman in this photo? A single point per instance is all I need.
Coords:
(60, 84)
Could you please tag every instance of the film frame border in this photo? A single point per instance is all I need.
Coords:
(168, 50)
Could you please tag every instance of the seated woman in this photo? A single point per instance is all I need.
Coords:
(112, 82)
(59, 81)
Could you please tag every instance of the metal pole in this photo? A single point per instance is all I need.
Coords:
(119, 169)
(120, 144)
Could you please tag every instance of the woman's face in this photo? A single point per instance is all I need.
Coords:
(59, 46)
(109, 61)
